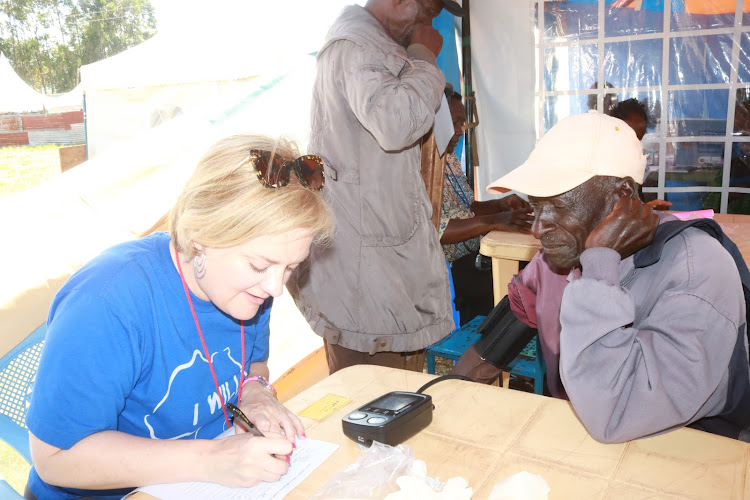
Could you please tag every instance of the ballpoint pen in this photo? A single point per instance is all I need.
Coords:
(237, 413)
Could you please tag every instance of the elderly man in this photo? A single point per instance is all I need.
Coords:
(645, 346)
(379, 294)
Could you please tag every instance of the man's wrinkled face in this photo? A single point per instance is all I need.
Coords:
(562, 223)
(408, 15)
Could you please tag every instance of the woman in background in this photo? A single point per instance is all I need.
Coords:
(634, 113)
(463, 220)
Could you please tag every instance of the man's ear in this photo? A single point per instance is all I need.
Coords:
(622, 188)
(626, 188)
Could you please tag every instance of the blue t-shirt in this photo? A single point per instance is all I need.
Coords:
(122, 353)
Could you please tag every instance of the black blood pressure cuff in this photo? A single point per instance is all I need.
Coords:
(503, 335)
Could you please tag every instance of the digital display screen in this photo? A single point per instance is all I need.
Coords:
(393, 402)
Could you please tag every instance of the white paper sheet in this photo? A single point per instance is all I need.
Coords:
(308, 455)
(443, 127)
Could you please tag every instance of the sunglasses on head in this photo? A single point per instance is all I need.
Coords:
(274, 172)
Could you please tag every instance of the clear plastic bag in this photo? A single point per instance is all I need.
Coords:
(372, 476)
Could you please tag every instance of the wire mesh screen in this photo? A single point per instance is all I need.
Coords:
(16, 381)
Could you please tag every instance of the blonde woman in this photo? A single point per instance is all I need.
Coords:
(149, 343)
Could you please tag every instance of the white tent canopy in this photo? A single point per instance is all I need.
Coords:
(209, 62)
(205, 65)
(17, 97)
(504, 84)
(172, 75)
(167, 60)
(70, 101)
(228, 40)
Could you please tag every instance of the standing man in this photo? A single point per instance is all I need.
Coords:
(379, 294)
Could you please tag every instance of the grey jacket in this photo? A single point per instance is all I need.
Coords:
(647, 350)
(383, 284)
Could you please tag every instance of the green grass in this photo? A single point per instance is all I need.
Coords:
(23, 167)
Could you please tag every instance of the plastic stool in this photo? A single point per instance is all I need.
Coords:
(529, 362)
(453, 345)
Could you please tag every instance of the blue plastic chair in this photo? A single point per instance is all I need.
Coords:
(17, 374)
(529, 362)
(453, 345)
(7, 491)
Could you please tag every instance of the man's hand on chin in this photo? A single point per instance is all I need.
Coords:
(630, 227)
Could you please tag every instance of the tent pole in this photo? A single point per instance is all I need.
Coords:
(85, 127)
(468, 90)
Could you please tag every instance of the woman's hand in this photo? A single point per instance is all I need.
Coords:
(267, 413)
(659, 204)
(513, 202)
(515, 220)
(244, 460)
(112, 459)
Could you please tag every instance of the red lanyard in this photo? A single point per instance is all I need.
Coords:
(205, 349)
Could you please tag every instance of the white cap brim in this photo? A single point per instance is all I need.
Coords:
(539, 180)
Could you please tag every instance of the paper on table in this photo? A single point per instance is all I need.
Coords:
(443, 127)
(696, 214)
(308, 455)
(324, 407)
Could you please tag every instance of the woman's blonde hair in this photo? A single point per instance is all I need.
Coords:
(223, 204)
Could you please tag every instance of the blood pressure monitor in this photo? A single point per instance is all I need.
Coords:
(389, 419)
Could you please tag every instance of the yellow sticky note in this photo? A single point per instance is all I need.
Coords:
(325, 407)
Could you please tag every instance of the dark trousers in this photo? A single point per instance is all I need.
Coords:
(340, 357)
(473, 288)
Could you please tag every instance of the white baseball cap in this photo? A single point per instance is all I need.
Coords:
(576, 149)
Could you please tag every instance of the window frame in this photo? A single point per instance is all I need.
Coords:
(663, 90)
